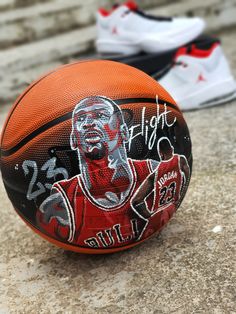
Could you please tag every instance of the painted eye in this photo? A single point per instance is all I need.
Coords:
(80, 118)
(101, 115)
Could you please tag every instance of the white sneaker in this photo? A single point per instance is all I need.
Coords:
(200, 78)
(127, 30)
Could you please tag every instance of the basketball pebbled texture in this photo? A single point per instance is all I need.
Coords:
(36, 153)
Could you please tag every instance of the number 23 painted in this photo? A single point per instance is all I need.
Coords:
(51, 173)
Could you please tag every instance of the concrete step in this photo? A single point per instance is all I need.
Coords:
(12, 4)
(217, 14)
(44, 20)
(15, 83)
(22, 65)
(45, 51)
(6, 4)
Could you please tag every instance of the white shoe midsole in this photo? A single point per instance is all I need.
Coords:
(112, 46)
(210, 95)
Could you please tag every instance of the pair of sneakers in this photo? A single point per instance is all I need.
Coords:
(198, 77)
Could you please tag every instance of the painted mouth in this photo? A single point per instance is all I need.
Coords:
(92, 137)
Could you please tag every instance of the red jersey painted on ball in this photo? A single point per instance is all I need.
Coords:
(92, 225)
(168, 184)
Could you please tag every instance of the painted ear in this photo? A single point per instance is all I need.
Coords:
(124, 132)
(73, 142)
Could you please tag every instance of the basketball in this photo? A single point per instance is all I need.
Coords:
(95, 157)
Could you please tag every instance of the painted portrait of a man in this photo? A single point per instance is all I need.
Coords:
(111, 202)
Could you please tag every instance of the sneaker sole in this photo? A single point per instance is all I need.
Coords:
(116, 47)
(219, 100)
(201, 99)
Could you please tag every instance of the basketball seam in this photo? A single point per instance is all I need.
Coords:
(68, 116)
(46, 75)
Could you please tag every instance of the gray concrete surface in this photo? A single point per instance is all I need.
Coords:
(189, 268)
(44, 20)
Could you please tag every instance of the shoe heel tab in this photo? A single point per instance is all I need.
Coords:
(194, 51)
(132, 5)
(181, 52)
(201, 53)
(103, 12)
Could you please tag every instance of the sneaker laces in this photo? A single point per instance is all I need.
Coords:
(152, 17)
(179, 63)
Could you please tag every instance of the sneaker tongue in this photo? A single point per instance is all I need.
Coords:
(131, 5)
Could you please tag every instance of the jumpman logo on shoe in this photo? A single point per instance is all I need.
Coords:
(201, 78)
(114, 31)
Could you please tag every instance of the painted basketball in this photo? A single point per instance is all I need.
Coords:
(96, 157)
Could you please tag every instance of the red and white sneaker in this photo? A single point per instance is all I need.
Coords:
(200, 78)
(127, 30)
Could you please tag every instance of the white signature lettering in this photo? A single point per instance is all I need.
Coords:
(160, 120)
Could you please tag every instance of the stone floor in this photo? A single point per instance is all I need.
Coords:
(189, 268)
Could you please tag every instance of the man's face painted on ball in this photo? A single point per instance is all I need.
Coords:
(96, 129)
